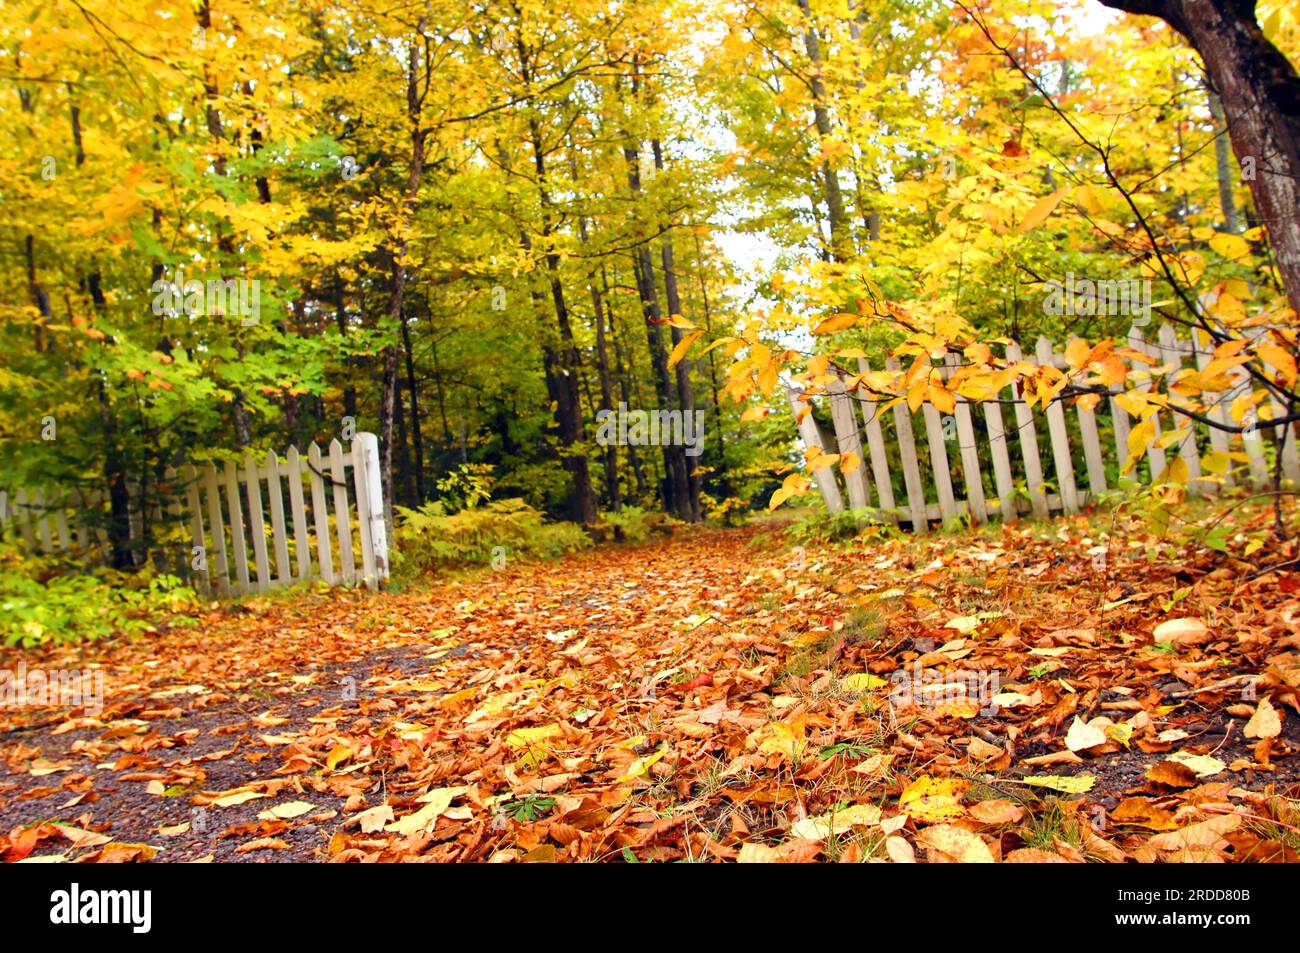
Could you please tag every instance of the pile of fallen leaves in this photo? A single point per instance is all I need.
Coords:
(1062, 692)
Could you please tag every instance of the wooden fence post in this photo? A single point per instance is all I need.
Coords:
(811, 438)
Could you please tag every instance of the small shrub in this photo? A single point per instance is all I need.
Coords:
(633, 524)
(822, 526)
(430, 538)
(45, 601)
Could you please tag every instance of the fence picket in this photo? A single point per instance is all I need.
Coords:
(1155, 455)
(275, 493)
(848, 442)
(1029, 446)
(320, 515)
(876, 444)
(42, 522)
(1060, 439)
(197, 541)
(218, 566)
(301, 544)
(939, 461)
(257, 522)
(1214, 402)
(368, 576)
(1001, 462)
(238, 539)
(23, 513)
(911, 464)
(342, 521)
(970, 459)
(1092, 456)
(1171, 354)
(824, 477)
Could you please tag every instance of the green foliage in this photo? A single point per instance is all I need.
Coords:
(42, 602)
(467, 486)
(822, 526)
(528, 808)
(634, 524)
(430, 538)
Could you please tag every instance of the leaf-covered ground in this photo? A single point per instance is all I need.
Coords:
(1052, 693)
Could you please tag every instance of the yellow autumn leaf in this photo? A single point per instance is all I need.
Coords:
(1230, 246)
(1280, 358)
(682, 347)
(524, 737)
(337, 756)
(933, 799)
(794, 485)
(1083, 736)
(863, 682)
(1042, 208)
(836, 822)
(836, 322)
(641, 766)
(942, 399)
(1077, 784)
(436, 803)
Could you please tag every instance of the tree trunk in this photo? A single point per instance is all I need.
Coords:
(341, 319)
(841, 248)
(417, 439)
(562, 362)
(1223, 164)
(1260, 92)
(619, 369)
(676, 495)
(690, 509)
(415, 171)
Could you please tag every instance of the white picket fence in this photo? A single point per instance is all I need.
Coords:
(1023, 481)
(316, 528)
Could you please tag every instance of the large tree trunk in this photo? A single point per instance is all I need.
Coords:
(562, 362)
(415, 172)
(677, 493)
(690, 510)
(622, 370)
(841, 247)
(417, 438)
(1260, 92)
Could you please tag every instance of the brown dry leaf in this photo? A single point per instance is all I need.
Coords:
(981, 750)
(997, 811)
(948, 844)
(1173, 774)
(116, 853)
(899, 850)
(751, 853)
(1032, 855)
(1265, 723)
(1200, 839)
(1186, 631)
(374, 819)
(1140, 811)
